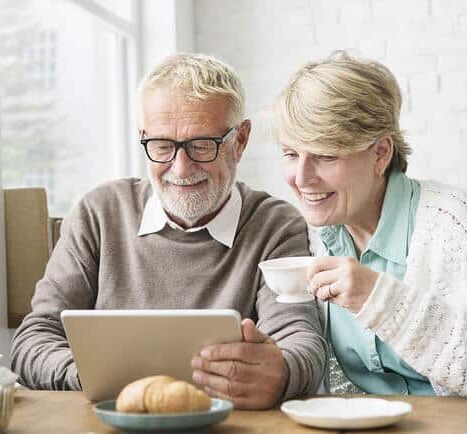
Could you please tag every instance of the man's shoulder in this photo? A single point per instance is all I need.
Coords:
(118, 197)
(273, 225)
(266, 212)
(264, 202)
(120, 190)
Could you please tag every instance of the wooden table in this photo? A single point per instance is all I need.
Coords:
(69, 412)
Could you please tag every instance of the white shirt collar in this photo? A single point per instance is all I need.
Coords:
(222, 227)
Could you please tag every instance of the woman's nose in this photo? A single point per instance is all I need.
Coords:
(306, 171)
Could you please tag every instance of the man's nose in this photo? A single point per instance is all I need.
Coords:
(182, 165)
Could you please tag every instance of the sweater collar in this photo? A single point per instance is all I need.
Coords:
(222, 227)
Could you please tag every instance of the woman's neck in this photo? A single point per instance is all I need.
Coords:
(363, 227)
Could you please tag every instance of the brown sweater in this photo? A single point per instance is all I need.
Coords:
(100, 262)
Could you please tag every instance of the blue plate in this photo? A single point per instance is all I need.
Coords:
(143, 422)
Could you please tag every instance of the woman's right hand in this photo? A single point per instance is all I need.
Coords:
(341, 280)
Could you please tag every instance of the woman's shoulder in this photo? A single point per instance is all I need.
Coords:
(442, 204)
(434, 193)
(439, 189)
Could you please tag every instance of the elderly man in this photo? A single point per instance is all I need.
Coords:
(190, 237)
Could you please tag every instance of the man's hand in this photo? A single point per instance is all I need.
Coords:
(341, 280)
(252, 374)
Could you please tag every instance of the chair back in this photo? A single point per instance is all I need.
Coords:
(27, 247)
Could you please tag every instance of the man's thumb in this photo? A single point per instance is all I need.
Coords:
(252, 334)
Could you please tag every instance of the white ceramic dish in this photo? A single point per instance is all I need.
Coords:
(287, 277)
(346, 413)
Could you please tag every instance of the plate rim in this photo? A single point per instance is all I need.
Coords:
(303, 413)
(228, 406)
(162, 423)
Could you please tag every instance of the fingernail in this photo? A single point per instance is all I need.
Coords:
(205, 353)
(196, 363)
(197, 377)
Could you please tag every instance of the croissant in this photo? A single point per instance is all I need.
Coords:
(161, 394)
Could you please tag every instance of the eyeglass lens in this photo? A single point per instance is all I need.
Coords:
(198, 150)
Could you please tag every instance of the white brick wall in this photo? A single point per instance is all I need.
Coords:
(424, 42)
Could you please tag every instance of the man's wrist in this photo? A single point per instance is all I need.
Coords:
(285, 380)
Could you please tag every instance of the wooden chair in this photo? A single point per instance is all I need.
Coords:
(28, 246)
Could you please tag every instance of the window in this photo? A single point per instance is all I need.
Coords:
(68, 70)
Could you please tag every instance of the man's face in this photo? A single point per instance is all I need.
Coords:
(191, 193)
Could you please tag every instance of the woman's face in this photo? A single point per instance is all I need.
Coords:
(336, 190)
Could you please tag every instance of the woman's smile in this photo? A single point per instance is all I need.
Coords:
(316, 198)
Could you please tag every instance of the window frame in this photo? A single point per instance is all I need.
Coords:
(130, 53)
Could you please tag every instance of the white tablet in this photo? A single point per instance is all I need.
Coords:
(112, 348)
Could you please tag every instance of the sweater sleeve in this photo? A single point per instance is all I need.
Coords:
(40, 352)
(297, 328)
(424, 328)
(424, 318)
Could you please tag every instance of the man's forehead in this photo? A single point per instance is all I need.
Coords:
(194, 115)
(176, 99)
(167, 108)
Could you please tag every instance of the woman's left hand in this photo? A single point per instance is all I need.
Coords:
(341, 280)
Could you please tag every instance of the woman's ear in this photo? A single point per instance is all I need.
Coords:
(384, 150)
(243, 134)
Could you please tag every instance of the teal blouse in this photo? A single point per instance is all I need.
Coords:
(365, 359)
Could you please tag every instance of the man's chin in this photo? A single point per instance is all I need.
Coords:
(184, 211)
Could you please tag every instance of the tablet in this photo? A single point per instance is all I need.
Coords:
(112, 348)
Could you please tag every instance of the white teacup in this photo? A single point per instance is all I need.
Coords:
(287, 277)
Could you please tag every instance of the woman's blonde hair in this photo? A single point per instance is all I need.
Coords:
(342, 105)
(199, 77)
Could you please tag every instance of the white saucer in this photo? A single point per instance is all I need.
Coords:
(346, 413)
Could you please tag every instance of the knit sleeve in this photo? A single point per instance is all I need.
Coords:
(424, 318)
(297, 328)
(40, 352)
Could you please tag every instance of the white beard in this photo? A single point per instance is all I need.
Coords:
(190, 207)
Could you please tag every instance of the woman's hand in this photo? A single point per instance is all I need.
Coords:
(341, 280)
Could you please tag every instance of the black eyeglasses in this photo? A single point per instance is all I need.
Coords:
(199, 149)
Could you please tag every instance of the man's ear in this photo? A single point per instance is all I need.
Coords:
(243, 134)
(384, 150)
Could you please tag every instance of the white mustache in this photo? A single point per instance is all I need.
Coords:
(170, 178)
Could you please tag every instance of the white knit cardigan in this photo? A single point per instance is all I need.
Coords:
(424, 317)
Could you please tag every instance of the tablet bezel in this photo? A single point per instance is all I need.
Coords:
(112, 348)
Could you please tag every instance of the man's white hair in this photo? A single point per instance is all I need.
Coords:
(198, 77)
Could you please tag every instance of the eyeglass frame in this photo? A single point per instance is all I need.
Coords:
(184, 144)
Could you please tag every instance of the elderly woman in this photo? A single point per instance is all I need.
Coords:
(394, 250)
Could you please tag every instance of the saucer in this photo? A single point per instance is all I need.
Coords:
(145, 422)
(346, 413)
